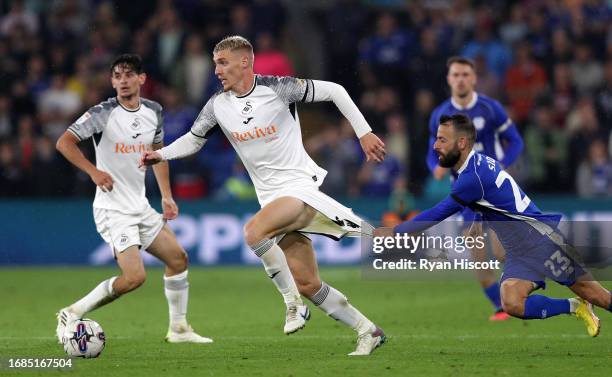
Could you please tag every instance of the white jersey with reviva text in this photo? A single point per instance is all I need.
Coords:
(120, 136)
(264, 128)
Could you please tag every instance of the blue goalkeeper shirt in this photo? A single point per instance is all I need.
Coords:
(493, 126)
(484, 187)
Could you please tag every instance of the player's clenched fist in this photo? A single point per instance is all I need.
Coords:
(170, 209)
(373, 147)
(149, 158)
(103, 180)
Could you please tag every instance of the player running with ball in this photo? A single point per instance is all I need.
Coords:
(121, 128)
(258, 116)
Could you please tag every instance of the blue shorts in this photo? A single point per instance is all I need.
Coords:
(545, 260)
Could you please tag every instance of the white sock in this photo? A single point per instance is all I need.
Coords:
(176, 289)
(99, 296)
(276, 267)
(336, 305)
(574, 302)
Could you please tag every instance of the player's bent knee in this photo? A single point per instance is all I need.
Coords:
(135, 280)
(514, 306)
(251, 233)
(513, 296)
(180, 263)
(308, 287)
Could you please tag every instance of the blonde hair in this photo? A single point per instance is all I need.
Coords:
(232, 43)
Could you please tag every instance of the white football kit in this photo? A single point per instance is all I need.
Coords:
(123, 216)
(264, 128)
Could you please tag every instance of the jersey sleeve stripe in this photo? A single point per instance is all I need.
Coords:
(200, 136)
(75, 134)
(313, 91)
(212, 130)
(505, 126)
(305, 93)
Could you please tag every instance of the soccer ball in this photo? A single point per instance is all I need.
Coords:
(84, 338)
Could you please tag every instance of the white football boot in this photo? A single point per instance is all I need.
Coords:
(183, 333)
(296, 317)
(368, 342)
(64, 317)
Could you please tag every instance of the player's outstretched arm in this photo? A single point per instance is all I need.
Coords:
(67, 146)
(184, 146)
(430, 217)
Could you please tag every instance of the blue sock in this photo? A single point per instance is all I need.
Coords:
(540, 307)
(492, 292)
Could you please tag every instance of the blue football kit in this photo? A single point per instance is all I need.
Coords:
(535, 249)
(496, 134)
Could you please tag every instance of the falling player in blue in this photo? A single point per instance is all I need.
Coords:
(534, 248)
(496, 136)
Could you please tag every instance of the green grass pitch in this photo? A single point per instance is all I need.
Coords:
(434, 329)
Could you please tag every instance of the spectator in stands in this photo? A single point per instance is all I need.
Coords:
(46, 167)
(178, 116)
(488, 83)
(538, 35)
(497, 55)
(19, 17)
(269, 59)
(587, 73)
(594, 176)
(603, 99)
(401, 205)
(193, 70)
(377, 103)
(515, 28)
(57, 107)
(426, 65)
(546, 147)
(378, 180)
(169, 38)
(560, 51)
(563, 93)
(6, 119)
(525, 81)
(337, 150)
(386, 53)
(11, 174)
(418, 132)
(583, 128)
(25, 142)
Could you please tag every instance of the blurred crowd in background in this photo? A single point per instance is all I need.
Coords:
(548, 61)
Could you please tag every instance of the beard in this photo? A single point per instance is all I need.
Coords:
(450, 159)
(462, 92)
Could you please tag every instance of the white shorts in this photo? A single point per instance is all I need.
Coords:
(122, 230)
(332, 219)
